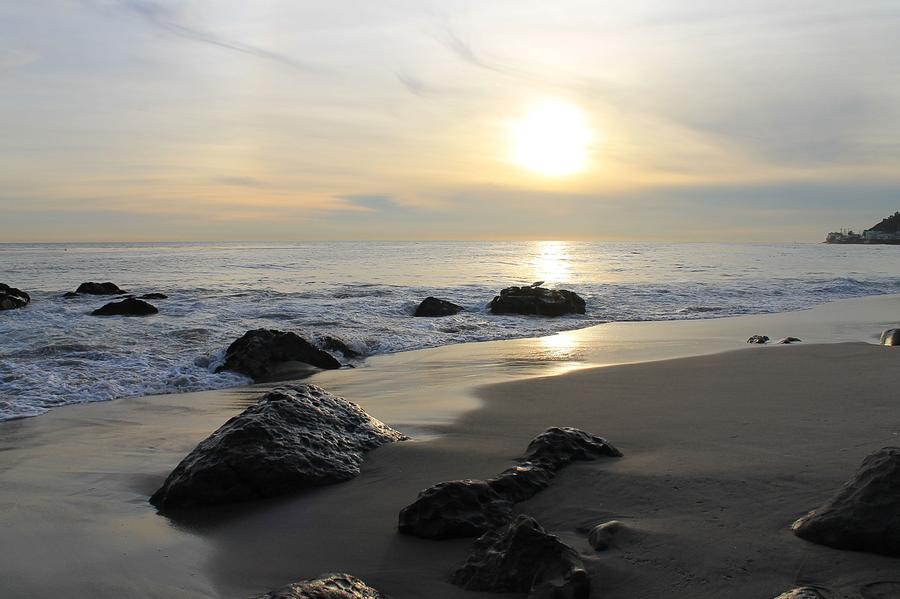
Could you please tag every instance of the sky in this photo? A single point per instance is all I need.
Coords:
(150, 120)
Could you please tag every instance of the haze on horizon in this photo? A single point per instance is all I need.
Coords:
(699, 120)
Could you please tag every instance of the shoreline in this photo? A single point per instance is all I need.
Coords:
(795, 422)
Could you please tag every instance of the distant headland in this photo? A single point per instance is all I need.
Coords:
(887, 231)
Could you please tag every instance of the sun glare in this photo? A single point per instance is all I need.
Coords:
(551, 139)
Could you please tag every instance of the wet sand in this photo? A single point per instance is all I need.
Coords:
(722, 452)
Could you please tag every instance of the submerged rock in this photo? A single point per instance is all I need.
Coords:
(70, 295)
(801, 593)
(758, 339)
(127, 307)
(788, 340)
(154, 296)
(293, 438)
(432, 306)
(325, 586)
(522, 558)
(864, 515)
(334, 344)
(12, 298)
(263, 353)
(538, 301)
(466, 508)
(92, 288)
(890, 337)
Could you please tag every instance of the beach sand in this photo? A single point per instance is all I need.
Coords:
(722, 452)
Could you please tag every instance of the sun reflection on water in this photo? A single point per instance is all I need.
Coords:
(551, 262)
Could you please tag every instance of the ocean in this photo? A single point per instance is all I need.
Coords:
(54, 352)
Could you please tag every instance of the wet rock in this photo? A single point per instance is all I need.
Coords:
(154, 296)
(99, 289)
(788, 340)
(890, 337)
(432, 306)
(465, 508)
(127, 307)
(325, 586)
(334, 344)
(603, 536)
(864, 515)
(265, 355)
(12, 298)
(70, 295)
(457, 508)
(758, 339)
(538, 301)
(522, 558)
(801, 593)
(293, 438)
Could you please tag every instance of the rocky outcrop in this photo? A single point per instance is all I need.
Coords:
(537, 301)
(890, 337)
(325, 586)
(262, 355)
(99, 289)
(467, 508)
(432, 306)
(758, 339)
(293, 438)
(332, 343)
(154, 296)
(788, 340)
(522, 558)
(603, 536)
(12, 298)
(864, 515)
(801, 593)
(127, 307)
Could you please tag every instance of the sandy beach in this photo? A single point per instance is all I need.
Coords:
(725, 445)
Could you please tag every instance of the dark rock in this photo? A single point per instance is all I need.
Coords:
(99, 289)
(603, 536)
(458, 508)
(12, 298)
(334, 344)
(522, 558)
(432, 306)
(70, 295)
(293, 438)
(801, 593)
(261, 354)
(537, 300)
(864, 515)
(127, 307)
(465, 508)
(154, 296)
(325, 586)
(758, 339)
(789, 340)
(890, 337)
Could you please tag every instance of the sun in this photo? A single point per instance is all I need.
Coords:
(551, 138)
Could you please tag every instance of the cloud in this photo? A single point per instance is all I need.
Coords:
(10, 59)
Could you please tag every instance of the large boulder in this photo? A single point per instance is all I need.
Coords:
(12, 298)
(467, 508)
(522, 558)
(92, 288)
(267, 355)
(864, 515)
(325, 586)
(537, 300)
(890, 337)
(127, 307)
(293, 438)
(432, 306)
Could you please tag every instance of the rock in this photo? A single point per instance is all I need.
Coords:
(325, 586)
(466, 508)
(864, 515)
(70, 295)
(788, 340)
(154, 296)
(12, 298)
(522, 558)
(334, 344)
(801, 593)
(890, 337)
(127, 307)
(432, 306)
(99, 289)
(537, 300)
(293, 438)
(603, 536)
(262, 355)
(758, 339)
